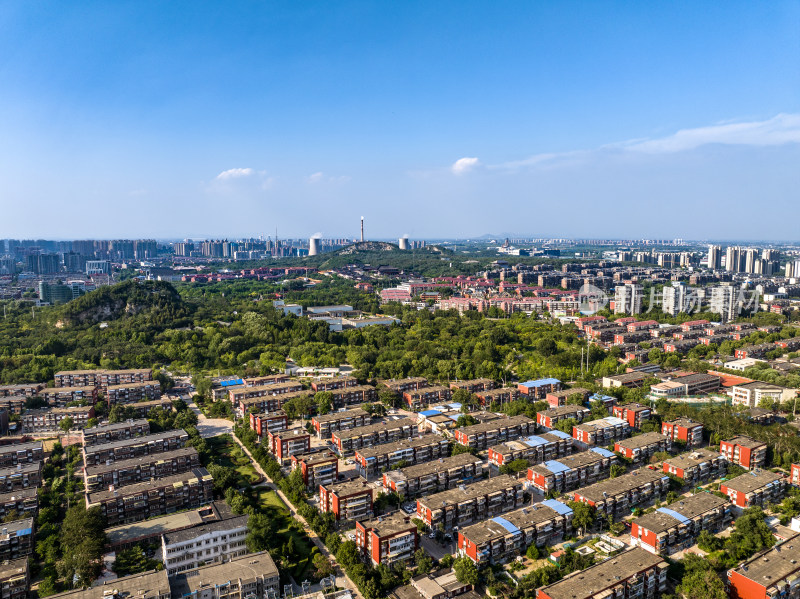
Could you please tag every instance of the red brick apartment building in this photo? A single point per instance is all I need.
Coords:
(340, 421)
(633, 413)
(486, 434)
(101, 378)
(694, 325)
(284, 444)
(350, 500)
(632, 574)
(374, 434)
(683, 429)
(678, 525)
(642, 325)
(133, 392)
(549, 418)
(616, 497)
(474, 385)
(539, 388)
(387, 539)
(794, 477)
(59, 397)
(24, 390)
(317, 469)
(238, 394)
(641, 447)
(696, 466)
(339, 382)
(768, 575)
(125, 449)
(471, 503)
(371, 461)
(425, 396)
(535, 448)
(559, 398)
(106, 433)
(497, 540)
(348, 396)
(400, 386)
(754, 489)
(270, 422)
(573, 471)
(501, 396)
(603, 431)
(435, 476)
(744, 451)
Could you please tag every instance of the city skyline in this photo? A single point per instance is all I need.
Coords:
(445, 121)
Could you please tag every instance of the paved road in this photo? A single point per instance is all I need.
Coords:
(342, 580)
(208, 427)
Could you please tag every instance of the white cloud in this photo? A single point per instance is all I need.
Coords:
(320, 177)
(235, 173)
(316, 177)
(779, 130)
(464, 165)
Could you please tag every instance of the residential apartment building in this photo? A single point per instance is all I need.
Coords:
(212, 543)
(126, 449)
(630, 380)
(425, 396)
(744, 451)
(435, 476)
(769, 574)
(400, 386)
(387, 539)
(603, 431)
(474, 385)
(135, 470)
(59, 397)
(560, 398)
(549, 418)
(498, 540)
(101, 378)
(286, 443)
(372, 461)
(500, 396)
(349, 396)
(17, 539)
(752, 394)
(678, 525)
(374, 434)
(470, 503)
(22, 390)
(539, 388)
(144, 500)
(628, 299)
(24, 502)
(133, 392)
(697, 466)
(572, 471)
(236, 395)
(268, 422)
(150, 585)
(340, 421)
(15, 579)
(616, 497)
(633, 413)
(641, 447)
(317, 468)
(13, 404)
(21, 453)
(46, 420)
(632, 574)
(108, 433)
(486, 434)
(349, 500)
(142, 409)
(754, 489)
(21, 476)
(339, 382)
(247, 576)
(683, 429)
(534, 448)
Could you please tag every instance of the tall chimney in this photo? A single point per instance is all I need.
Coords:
(362, 229)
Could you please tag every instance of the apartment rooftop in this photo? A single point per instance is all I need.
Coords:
(17, 495)
(17, 447)
(694, 458)
(154, 527)
(336, 416)
(378, 450)
(147, 585)
(16, 567)
(748, 442)
(246, 568)
(417, 470)
(348, 487)
(594, 580)
(642, 440)
(137, 440)
(468, 492)
(600, 423)
(391, 524)
(16, 528)
(512, 522)
(135, 385)
(316, 458)
(567, 410)
(24, 468)
(376, 428)
(187, 534)
(622, 484)
(752, 481)
(145, 459)
(194, 475)
(118, 426)
(493, 425)
(684, 422)
(680, 511)
(771, 567)
(570, 462)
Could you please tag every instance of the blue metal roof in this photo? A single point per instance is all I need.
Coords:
(454, 406)
(603, 452)
(231, 382)
(540, 383)
(555, 466)
(560, 434)
(597, 396)
(679, 517)
(506, 524)
(561, 508)
(427, 413)
(534, 441)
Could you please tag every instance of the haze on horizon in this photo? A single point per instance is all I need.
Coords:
(446, 119)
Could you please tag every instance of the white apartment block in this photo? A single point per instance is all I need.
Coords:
(213, 543)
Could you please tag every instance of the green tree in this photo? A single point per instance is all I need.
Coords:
(83, 539)
(423, 561)
(616, 470)
(700, 581)
(324, 401)
(583, 515)
(466, 571)
(66, 424)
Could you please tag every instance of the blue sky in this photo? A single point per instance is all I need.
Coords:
(433, 119)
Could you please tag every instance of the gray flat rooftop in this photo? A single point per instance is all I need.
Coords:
(141, 460)
(577, 460)
(336, 416)
(143, 487)
(14, 448)
(388, 525)
(136, 441)
(384, 448)
(771, 567)
(148, 585)
(689, 507)
(494, 425)
(375, 428)
(485, 531)
(245, 568)
(751, 481)
(692, 458)
(642, 440)
(157, 526)
(614, 486)
(469, 492)
(187, 534)
(440, 465)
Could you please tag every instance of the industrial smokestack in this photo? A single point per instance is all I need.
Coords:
(314, 245)
(403, 242)
(362, 229)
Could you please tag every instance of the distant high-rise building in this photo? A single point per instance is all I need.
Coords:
(98, 267)
(675, 299)
(74, 262)
(8, 265)
(183, 248)
(714, 257)
(144, 249)
(43, 264)
(793, 270)
(733, 259)
(751, 260)
(628, 299)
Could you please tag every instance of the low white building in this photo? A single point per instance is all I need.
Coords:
(213, 543)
